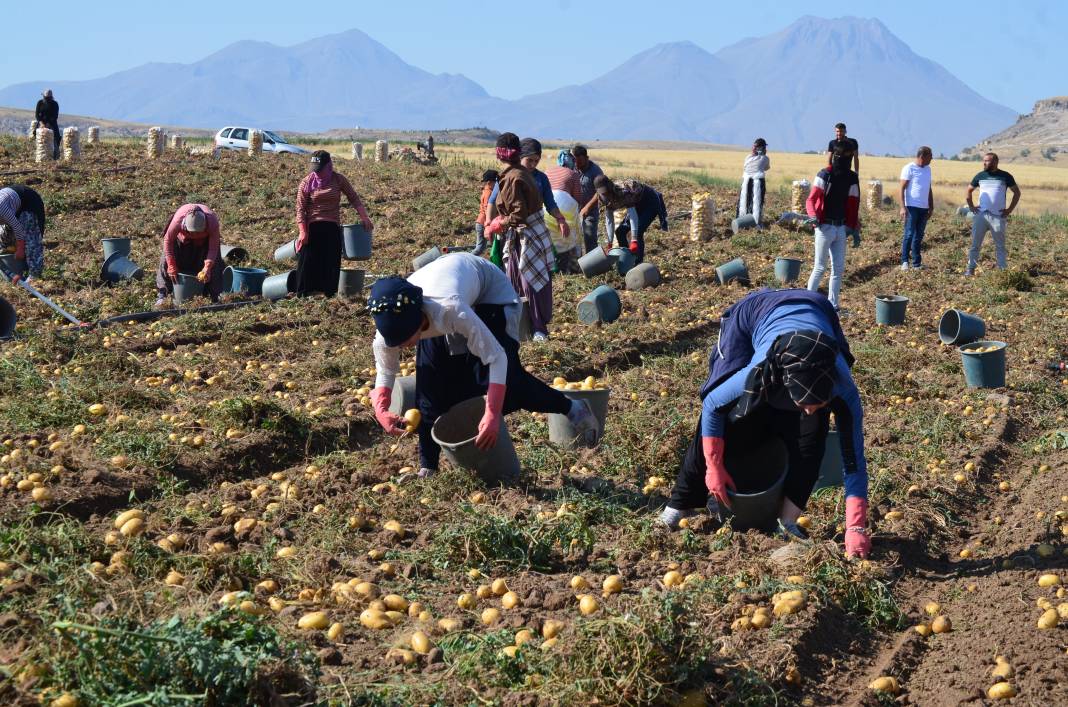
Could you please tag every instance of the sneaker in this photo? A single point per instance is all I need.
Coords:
(670, 517)
(538, 336)
(425, 473)
(792, 531)
(904, 267)
(917, 267)
(158, 304)
(584, 421)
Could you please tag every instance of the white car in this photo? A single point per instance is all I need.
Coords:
(234, 138)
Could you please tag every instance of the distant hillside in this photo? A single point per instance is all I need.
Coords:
(1040, 136)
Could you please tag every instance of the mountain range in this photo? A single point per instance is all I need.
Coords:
(789, 87)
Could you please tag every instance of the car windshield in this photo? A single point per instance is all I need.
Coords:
(275, 136)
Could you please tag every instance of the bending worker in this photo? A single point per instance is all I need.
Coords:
(191, 247)
(781, 366)
(643, 204)
(462, 314)
(22, 226)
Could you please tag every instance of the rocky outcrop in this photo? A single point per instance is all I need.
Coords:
(1039, 136)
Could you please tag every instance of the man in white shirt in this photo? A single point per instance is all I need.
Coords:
(991, 214)
(462, 314)
(917, 205)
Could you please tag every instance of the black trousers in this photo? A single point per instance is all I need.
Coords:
(443, 380)
(805, 437)
(319, 261)
(649, 208)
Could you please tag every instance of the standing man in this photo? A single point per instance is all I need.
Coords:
(917, 205)
(991, 213)
(834, 202)
(846, 145)
(590, 212)
(429, 145)
(48, 117)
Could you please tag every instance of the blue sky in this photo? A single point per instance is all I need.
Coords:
(1010, 52)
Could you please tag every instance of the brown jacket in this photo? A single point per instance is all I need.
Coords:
(518, 198)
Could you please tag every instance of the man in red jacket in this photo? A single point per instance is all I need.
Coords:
(834, 202)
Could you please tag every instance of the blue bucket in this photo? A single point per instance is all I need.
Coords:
(890, 309)
(118, 268)
(350, 282)
(357, 242)
(276, 287)
(426, 258)
(247, 281)
(743, 223)
(643, 275)
(286, 252)
(787, 269)
(625, 260)
(733, 270)
(596, 262)
(984, 364)
(232, 254)
(115, 245)
(957, 328)
(601, 305)
(187, 287)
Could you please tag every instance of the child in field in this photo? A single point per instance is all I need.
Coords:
(489, 179)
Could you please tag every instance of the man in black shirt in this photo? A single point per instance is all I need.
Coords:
(47, 115)
(845, 145)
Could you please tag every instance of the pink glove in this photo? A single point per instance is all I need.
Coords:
(392, 424)
(857, 540)
(716, 477)
(633, 247)
(495, 226)
(490, 425)
(302, 239)
(20, 249)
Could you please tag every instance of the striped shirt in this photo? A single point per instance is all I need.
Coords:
(10, 203)
(177, 235)
(324, 204)
(566, 180)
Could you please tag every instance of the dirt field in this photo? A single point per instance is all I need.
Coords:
(267, 492)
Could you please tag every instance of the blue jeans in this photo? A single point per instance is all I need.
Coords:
(915, 225)
(830, 246)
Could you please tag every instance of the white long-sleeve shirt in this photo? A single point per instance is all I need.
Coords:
(452, 285)
(755, 166)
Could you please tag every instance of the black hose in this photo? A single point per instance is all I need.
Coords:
(160, 313)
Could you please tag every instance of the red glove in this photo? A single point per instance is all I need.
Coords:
(392, 424)
(490, 426)
(633, 247)
(716, 477)
(302, 239)
(857, 540)
(495, 226)
(20, 250)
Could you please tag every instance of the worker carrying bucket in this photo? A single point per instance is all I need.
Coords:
(191, 247)
(780, 367)
(462, 315)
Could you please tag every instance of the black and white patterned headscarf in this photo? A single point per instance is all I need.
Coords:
(801, 362)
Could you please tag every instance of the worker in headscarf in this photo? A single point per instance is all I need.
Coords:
(462, 314)
(191, 245)
(643, 204)
(780, 367)
(528, 250)
(566, 183)
(751, 196)
(22, 226)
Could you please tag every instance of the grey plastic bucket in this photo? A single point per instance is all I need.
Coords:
(246, 281)
(963, 211)
(8, 319)
(403, 398)
(232, 254)
(350, 282)
(357, 242)
(562, 433)
(455, 433)
(743, 223)
(890, 309)
(526, 324)
(228, 279)
(187, 287)
(787, 269)
(625, 260)
(426, 258)
(732, 270)
(957, 328)
(118, 268)
(601, 305)
(984, 370)
(285, 252)
(115, 245)
(278, 286)
(643, 275)
(758, 473)
(596, 262)
(831, 471)
(13, 265)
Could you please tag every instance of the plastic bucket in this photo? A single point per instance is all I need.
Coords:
(13, 265)
(563, 434)
(427, 258)
(982, 368)
(963, 211)
(247, 281)
(831, 470)
(601, 305)
(118, 268)
(455, 433)
(357, 242)
(233, 255)
(890, 309)
(758, 473)
(787, 269)
(115, 245)
(743, 223)
(625, 260)
(278, 286)
(403, 398)
(526, 325)
(8, 319)
(732, 270)
(596, 262)
(643, 275)
(285, 252)
(957, 328)
(350, 282)
(228, 279)
(187, 287)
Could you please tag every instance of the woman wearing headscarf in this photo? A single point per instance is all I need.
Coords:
(462, 314)
(22, 226)
(751, 196)
(780, 367)
(566, 183)
(191, 246)
(643, 204)
(319, 222)
(528, 250)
